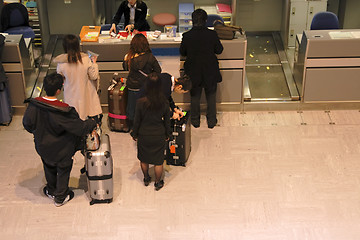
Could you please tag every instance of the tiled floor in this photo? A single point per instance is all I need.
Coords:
(259, 175)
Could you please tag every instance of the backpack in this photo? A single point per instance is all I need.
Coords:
(226, 32)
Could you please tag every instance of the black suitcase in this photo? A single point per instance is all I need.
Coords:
(99, 171)
(5, 104)
(178, 149)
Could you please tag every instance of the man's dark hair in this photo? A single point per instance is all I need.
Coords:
(199, 17)
(52, 83)
(185, 82)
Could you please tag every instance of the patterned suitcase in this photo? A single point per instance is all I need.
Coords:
(117, 99)
(99, 171)
(178, 149)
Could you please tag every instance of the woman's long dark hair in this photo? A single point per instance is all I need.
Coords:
(154, 97)
(138, 45)
(71, 46)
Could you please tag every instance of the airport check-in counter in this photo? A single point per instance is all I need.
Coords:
(232, 65)
(328, 66)
(232, 69)
(18, 69)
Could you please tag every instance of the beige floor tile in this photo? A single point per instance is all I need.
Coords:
(258, 175)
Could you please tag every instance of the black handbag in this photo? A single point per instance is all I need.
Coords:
(226, 32)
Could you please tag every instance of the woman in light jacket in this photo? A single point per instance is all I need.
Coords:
(81, 79)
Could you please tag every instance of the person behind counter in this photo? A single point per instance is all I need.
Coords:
(134, 12)
(81, 79)
(57, 131)
(200, 46)
(152, 129)
(139, 61)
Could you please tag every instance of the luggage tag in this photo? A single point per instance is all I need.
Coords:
(93, 140)
(111, 86)
(172, 146)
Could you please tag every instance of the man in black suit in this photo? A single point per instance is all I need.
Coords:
(200, 46)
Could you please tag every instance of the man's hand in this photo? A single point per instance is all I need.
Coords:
(113, 28)
(129, 27)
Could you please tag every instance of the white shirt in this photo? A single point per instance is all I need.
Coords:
(132, 13)
(172, 83)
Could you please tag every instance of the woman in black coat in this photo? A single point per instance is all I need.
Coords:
(138, 61)
(138, 23)
(200, 46)
(151, 129)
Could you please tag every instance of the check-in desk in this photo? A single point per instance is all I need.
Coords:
(111, 57)
(232, 69)
(232, 65)
(18, 69)
(328, 66)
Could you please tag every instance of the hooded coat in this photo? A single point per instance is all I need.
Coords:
(57, 128)
(80, 84)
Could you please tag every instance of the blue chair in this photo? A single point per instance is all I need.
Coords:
(324, 20)
(212, 18)
(15, 20)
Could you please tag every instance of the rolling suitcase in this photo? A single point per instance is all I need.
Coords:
(117, 99)
(178, 149)
(99, 171)
(5, 105)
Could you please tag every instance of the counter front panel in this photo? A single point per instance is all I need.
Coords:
(231, 62)
(328, 66)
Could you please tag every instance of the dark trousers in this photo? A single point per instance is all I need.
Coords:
(57, 176)
(131, 104)
(195, 106)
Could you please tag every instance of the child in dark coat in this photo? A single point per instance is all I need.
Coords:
(57, 131)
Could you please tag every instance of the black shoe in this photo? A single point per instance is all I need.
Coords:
(211, 125)
(46, 192)
(147, 181)
(195, 125)
(64, 201)
(159, 185)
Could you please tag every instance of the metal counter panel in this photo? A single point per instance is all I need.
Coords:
(228, 91)
(233, 49)
(11, 52)
(332, 84)
(330, 43)
(17, 90)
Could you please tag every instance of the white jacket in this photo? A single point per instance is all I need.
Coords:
(80, 84)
